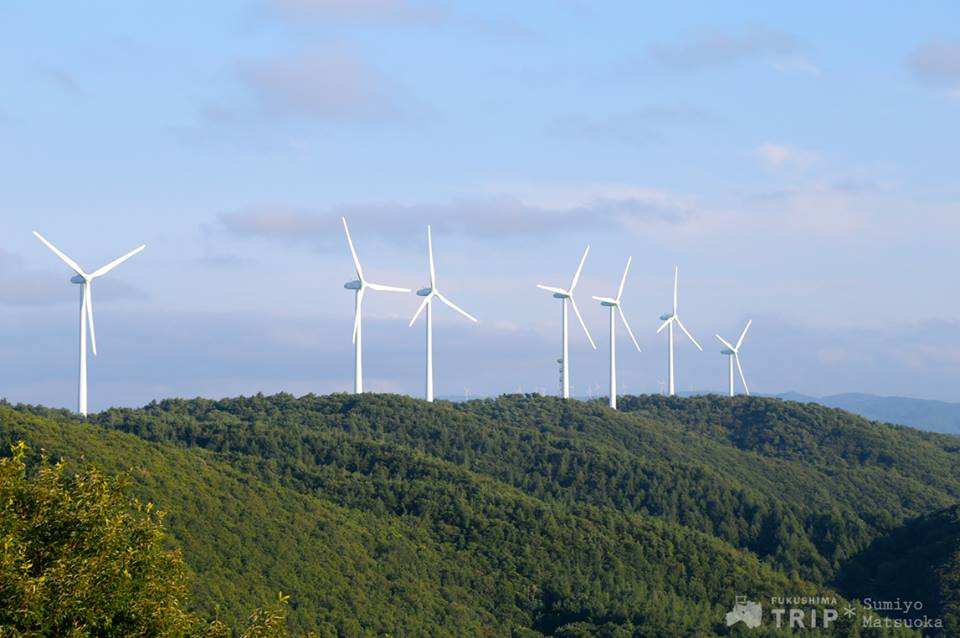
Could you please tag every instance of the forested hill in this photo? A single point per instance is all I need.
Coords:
(520, 514)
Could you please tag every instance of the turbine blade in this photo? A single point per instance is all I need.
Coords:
(664, 324)
(676, 277)
(736, 358)
(433, 270)
(626, 325)
(116, 262)
(383, 288)
(423, 304)
(607, 299)
(743, 334)
(56, 251)
(456, 307)
(88, 304)
(623, 280)
(576, 277)
(356, 315)
(725, 342)
(583, 325)
(689, 336)
(552, 289)
(353, 251)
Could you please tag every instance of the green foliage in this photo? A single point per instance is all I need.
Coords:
(80, 557)
(521, 516)
(921, 557)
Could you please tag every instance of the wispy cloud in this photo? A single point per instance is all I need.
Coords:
(636, 128)
(552, 212)
(21, 285)
(322, 84)
(62, 80)
(711, 48)
(815, 209)
(361, 11)
(937, 64)
(827, 210)
(777, 156)
(402, 13)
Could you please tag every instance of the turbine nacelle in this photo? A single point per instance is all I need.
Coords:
(359, 286)
(430, 294)
(86, 307)
(732, 350)
(565, 295)
(666, 317)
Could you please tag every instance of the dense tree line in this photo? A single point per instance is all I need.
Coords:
(520, 516)
(802, 486)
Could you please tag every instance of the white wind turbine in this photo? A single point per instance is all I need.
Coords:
(668, 320)
(616, 309)
(564, 296)
(86, 309)
(360, 285)
(734, 353)
(428, 295)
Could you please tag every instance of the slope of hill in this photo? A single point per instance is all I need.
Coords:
(395, 541)
(924, 414)
(923, 557)
(532, 512)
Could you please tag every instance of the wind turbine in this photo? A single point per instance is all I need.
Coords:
(615, 309)
(86, 309)
(360, 285)
(564, 296)
(733, 352)
(668, 320)
(428, 295)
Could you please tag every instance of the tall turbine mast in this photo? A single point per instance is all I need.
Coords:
(428, 295)
(669, 319)
(733, 353)
(566, 295)
(86, 309)
(360, 286)
(616, 309)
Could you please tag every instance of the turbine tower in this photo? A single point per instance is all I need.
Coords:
(86, 309)
(616, 309)
(668, 320)
(359, 286)
(428, 295)
(565, 295)
(733, 352)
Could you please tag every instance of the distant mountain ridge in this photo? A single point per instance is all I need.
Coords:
(923, 414)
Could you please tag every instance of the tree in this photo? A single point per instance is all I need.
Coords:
(80, 557)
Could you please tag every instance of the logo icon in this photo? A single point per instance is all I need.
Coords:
(745, 611)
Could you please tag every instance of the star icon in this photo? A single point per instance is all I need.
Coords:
(849, 611)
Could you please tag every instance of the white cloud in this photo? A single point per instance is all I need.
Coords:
(360, 11)
(796, 63)
(711, 48)
(330, 83)
(937, 64)
(777, 156)
(537, 211)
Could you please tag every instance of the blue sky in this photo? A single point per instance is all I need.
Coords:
(796, 162)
